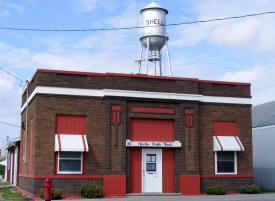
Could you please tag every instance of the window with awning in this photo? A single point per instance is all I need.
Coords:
(71, 143)
(227, 143)
(226, 148)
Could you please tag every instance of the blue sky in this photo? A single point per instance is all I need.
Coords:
(235, 50)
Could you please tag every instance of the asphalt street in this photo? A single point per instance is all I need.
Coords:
(239, 197)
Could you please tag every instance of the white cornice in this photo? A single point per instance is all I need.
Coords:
(134, 94)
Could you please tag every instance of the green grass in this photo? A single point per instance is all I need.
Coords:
(4, 183)
(267, 191)
(8, 195)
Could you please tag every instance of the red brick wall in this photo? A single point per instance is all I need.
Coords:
(221, 112)
(47, 108)
(31, 116)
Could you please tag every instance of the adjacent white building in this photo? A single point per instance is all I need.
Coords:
(263, 137)
(12, 161)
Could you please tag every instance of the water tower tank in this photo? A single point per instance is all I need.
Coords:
(153, 21)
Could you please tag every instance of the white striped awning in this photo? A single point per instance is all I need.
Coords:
(71, 142)
(227, 143)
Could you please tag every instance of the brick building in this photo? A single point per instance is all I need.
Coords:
(134, 133)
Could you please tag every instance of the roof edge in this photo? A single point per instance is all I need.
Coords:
(137, 76)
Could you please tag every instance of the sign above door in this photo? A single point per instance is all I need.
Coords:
(175, 144)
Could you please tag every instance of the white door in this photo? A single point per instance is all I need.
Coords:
(11, 167)
(152, 171)
(15, 166)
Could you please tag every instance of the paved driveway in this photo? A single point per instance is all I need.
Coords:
(257, 197)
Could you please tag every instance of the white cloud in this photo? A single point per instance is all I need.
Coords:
(88, 42)
(9, 105)
(254, 33)
(251, 33)
(5, 13)
(5, 85)
(14, 6)
(16, 57)
(85, 5)
(53, 44)
(98, 52)
(6, 8)
(261, 78)
(246, 75)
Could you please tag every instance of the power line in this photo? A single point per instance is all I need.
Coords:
(8, 124)
(134, 27)
(14, 76)
(224, 18)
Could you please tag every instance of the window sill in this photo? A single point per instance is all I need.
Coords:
(226, 173)
(69, 173)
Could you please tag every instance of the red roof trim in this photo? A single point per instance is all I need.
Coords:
(138, 76)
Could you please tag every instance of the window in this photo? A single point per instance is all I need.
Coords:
(226, 162)
(70, 162)
(151, 160)
(70, 143)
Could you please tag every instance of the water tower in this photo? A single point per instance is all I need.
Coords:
(153, 37)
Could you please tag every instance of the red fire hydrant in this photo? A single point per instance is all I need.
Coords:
(48, 186)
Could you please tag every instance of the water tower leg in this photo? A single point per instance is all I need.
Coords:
(168, 58)
(154, 55)
(140, 59)
(160, 68)
(147, 54)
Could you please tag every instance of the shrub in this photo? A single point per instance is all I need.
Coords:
(216, 190)
(250, 189)
(91, 191)
(55, 193)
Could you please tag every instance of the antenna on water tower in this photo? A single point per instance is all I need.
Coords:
(153, 37)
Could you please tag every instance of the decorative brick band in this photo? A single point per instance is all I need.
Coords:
(153, 110)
